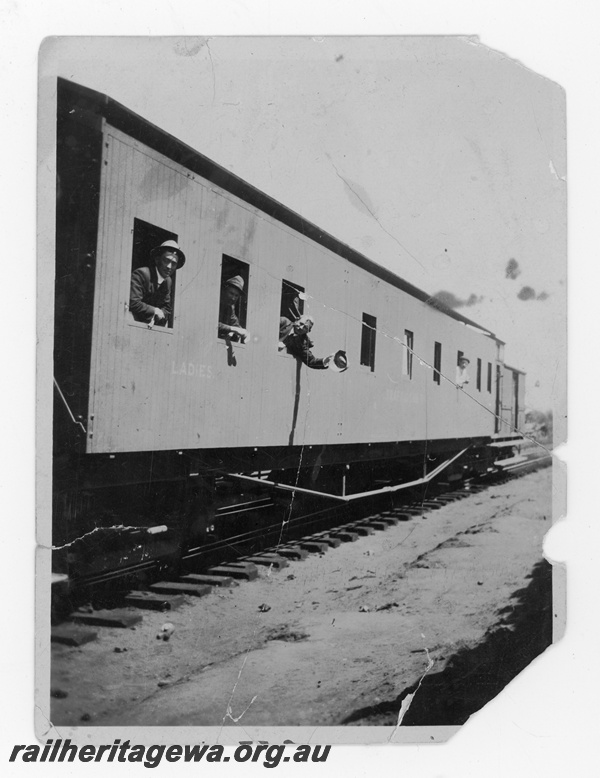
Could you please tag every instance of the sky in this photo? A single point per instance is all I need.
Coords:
(436, 157)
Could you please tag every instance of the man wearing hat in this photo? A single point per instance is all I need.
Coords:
(229, 324)
(294, 337)
(462, 376)
(150, 294)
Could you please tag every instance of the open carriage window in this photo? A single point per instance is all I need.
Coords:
(367, 344)
(292, 300)
(437, 362)
(233, 305)
(407, 362)
(145, 289)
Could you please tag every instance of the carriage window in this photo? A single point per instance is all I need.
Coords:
(367, 344)
(478, 375)
(234, 298)
(147, 237)
(437, 362)
(407, 362)
(489, 378)
(292, 300)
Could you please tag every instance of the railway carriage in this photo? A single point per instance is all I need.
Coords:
(160, 432)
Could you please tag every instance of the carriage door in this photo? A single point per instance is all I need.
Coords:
(515, 403)
(498, 398)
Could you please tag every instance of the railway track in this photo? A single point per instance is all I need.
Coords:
(223, 563)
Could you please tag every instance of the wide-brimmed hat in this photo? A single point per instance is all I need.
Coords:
(339, 363)
(170, 245)
(285, 327)
(464, 359)
(237, 282)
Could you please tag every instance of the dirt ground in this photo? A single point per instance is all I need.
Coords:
(457, 598)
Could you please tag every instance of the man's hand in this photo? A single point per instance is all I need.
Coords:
(159, 314)
(244, 334)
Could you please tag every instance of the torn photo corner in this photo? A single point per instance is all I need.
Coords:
(233, 544)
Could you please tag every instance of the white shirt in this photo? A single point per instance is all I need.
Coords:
(160, 280)
(462, 376)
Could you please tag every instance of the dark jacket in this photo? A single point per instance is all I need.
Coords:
(299, 345)
(147, 294)
(228, 318)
